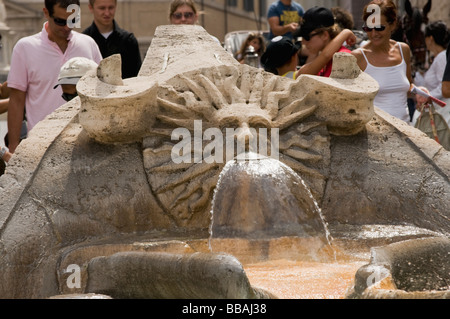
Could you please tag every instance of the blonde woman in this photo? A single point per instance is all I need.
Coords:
(183, 12)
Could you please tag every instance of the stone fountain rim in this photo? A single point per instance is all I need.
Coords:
(46, 131)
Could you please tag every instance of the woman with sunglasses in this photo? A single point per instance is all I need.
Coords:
(183, 12)
(386, 60)
(282, 55)
(322, 37)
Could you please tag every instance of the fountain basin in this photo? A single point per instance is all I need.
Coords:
(410, 269)
(172, 269)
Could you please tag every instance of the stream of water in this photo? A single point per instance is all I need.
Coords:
(264, 169)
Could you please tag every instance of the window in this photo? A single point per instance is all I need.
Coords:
(262, 8)
(249, 5)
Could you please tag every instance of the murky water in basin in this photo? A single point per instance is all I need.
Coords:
(303, 280)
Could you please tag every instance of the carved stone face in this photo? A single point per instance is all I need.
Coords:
(241, 114)
(225, 98)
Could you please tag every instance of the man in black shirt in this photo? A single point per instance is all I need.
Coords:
(111, 39)
(446, 79)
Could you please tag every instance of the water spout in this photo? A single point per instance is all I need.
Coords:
(261, 199)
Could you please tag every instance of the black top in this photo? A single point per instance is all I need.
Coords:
(122, 42)
(447, 68)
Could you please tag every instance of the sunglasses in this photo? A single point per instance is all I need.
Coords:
(179, 15)
(379, 29)
(67, 96)
(62, 22)
(309, 36)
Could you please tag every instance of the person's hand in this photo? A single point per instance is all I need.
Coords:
(7, 156)
(351, 37)
(421, 100)
(292, 26)
(351, 40)
(4, 90)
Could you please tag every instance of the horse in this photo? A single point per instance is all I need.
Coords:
(410, 29)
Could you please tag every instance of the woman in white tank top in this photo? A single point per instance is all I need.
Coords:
(388, 62)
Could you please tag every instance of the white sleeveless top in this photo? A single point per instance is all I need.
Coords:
(394, 86)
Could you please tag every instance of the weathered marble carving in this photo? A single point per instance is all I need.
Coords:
(302, 112)
(224, 95)
(411, 269)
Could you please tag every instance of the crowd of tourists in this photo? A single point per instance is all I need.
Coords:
(300, 42)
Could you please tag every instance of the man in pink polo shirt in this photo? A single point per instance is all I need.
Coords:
(35, 64)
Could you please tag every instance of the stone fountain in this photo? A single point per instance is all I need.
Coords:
(168, 184)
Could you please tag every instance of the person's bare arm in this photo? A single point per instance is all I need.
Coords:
(4, 90)
(4, 106)
(446, 89)
(15, 117)
(407, 55)
(326, 55)
(277, 29)
(360, 60)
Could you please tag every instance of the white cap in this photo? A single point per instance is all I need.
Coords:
(74, 69)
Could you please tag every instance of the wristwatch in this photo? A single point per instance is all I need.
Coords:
(2, 151)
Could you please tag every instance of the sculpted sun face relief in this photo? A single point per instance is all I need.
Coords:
(235, 142)
(192, 123)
